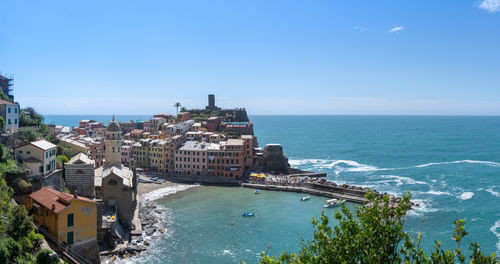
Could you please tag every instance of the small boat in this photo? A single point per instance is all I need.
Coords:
(256, 192)
(305, 198)
(247, 214)
(333, 203)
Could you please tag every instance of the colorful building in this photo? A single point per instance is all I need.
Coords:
(70, 219)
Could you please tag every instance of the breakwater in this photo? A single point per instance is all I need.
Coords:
(338, 193)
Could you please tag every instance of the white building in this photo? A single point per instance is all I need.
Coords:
(37, 157)
(10, 113)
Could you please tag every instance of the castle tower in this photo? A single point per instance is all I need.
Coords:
(113, 142)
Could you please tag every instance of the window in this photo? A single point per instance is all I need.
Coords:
(112, 182)
(40, 169)
(71, 220)
(15, 120)
(15, 110)
(10, 122)
(8, 110)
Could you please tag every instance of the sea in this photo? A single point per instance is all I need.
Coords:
(449, 164)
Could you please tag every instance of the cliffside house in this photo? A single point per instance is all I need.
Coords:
(10, 114)
(79, 175)
(70, 219)
(37, 157)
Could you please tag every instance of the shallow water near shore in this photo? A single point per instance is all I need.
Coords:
(205, 225)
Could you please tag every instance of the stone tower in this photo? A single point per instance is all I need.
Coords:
(113, 142)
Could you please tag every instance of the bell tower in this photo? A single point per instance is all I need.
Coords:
(113, 142)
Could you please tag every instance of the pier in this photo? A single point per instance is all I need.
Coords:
(315, 189)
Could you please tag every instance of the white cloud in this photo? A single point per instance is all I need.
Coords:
(490, 5)
(360, 28)
(396, 29)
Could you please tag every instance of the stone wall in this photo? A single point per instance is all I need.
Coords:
(80, 178)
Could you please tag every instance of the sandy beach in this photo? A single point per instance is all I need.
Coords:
(143, 188)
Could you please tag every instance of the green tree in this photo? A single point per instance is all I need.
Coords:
(19, 224)
(183, 109)
(177, 105)
(62, 159)
(4, 97)
(374, 234)
(2, 123)
(28, 135)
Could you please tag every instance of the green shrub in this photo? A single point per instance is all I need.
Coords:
(44, 256)
(13, 247)
(19, 224)
(4, 254)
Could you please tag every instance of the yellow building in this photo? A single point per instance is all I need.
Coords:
(156, 158)
(71, 219)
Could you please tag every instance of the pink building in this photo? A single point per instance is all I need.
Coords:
(126, 155)
(191, 159)
(170, 152)
(97, 152)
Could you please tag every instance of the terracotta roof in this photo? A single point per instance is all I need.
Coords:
(46, 197)
(2, 102)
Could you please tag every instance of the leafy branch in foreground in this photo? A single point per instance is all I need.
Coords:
(374, 234)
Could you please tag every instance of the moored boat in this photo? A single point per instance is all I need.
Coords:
(305, 198)
(333, 202)
(256, 192)
(247, 214)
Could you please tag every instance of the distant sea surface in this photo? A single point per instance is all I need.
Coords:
(74, 120)
(451, 165)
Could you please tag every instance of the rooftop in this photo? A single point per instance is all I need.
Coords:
(3, 102)
(41, 144)
(48, 197)
(80, 158)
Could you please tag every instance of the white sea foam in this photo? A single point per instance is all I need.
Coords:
(338, 165)
(157, 194)
(425, 206)
(400, 180)
(492, 192)
(432, 192)
(488, 163)
(465, 195)
(494, 229)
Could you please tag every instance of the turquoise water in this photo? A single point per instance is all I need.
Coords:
(206, 226)
(450, 164)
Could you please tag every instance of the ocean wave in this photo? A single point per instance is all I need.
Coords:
(425, 206)
(489, 163)
(493, 229)
(339, 165)
(492, 192)
(432, 192)
(400, 180)
(465, 196)
(157, 194)
(354, 166)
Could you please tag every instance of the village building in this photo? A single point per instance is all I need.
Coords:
(79, 175)
(70, 219)
(37, 157)
(10, 113)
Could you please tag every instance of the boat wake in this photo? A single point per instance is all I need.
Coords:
(465, 196)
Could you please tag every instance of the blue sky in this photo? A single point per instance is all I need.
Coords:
(272, 57)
